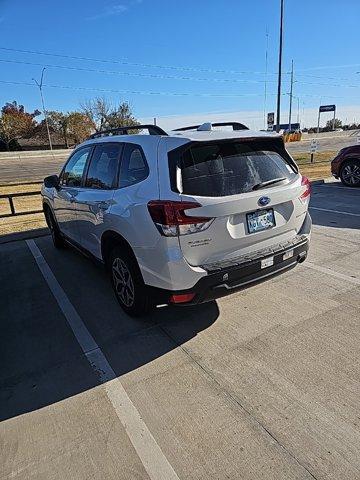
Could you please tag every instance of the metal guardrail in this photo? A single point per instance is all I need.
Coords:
(10, 196)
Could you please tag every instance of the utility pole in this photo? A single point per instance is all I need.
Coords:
(40, 85)
(291, 92)
(265, 82)
(280, 62)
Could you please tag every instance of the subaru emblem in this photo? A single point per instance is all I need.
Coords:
(263, 201)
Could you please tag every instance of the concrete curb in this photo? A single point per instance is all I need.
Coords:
(18, 236)
(324, 180)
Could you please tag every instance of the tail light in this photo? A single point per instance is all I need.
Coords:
(305, 196)
(171, 220)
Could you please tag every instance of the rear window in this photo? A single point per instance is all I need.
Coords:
(230, 168)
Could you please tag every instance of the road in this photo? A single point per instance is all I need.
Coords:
(263, 384)
(30, 166)
(327, 141)
(34, 166)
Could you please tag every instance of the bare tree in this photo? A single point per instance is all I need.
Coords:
(97, 110)
(103, 114)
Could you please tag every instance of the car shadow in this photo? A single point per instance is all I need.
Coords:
(330, 201)
(42, 363)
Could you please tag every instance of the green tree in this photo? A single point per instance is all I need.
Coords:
(121, 116)
(337, 124)
(79, 126)
(16, 123)
(58, 123)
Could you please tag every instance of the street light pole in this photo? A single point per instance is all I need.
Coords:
(280, 62)
(266, 72)
(40, 85)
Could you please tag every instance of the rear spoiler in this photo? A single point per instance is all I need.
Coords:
(234, 125)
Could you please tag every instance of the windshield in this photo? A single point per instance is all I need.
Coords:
(230, 168)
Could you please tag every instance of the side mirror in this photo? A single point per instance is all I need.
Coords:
(52, 182)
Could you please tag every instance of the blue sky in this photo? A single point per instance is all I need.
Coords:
(216, 50)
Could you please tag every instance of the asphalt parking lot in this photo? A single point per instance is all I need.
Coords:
(263, 384)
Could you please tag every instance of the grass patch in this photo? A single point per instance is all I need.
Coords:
(316, 171)
(302, 158)
(33, 187)
(22, 204)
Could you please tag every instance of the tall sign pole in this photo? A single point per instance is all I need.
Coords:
(280, 62)
(326, 108)
(291, 92)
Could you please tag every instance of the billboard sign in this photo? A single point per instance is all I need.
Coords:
(327, 108)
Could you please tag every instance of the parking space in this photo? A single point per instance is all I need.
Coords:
(263, 384)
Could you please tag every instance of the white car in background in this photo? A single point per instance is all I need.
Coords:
(182, 217)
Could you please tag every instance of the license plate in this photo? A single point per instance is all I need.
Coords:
(261, 220)
(267, 262)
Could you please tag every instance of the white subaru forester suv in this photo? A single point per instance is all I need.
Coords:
(184, 217)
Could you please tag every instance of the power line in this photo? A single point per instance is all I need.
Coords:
(134, 64)
(140, 92)
(173, 67)
(161, 93)
(165, 77)
(132, 74)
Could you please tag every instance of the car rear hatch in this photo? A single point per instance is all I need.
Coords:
(248, 193)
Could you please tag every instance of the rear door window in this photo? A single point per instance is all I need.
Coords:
(134, 167)
(230, 168)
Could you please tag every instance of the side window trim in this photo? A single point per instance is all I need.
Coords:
(85, 168)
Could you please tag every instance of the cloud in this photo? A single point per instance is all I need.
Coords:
(110, 11)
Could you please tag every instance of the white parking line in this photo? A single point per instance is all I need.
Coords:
(328, 271)
(153, 459)
(335, 211)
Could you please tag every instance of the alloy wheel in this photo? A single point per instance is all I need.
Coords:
(123, 282)
(351, 174)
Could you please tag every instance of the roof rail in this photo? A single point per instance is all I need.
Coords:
(152, 129)
(235, 125)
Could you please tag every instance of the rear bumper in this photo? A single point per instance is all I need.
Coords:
(224, 279)
(232, 279)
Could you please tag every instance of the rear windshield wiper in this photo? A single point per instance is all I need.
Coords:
(269, 182)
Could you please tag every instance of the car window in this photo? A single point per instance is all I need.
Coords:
(103, 167)
(134, 167)
(74, 169)
(220, 169)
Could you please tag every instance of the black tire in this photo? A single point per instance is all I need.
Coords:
(350, 173)
(128, 284)
(57, 239)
